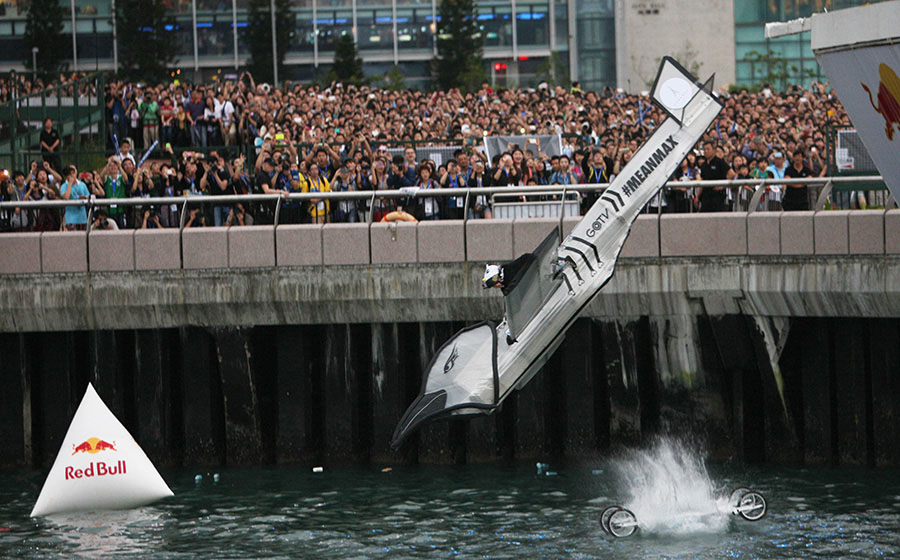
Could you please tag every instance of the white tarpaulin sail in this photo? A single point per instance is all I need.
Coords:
(867, 82)
(859, 49)
(99, 466)
(466, 377)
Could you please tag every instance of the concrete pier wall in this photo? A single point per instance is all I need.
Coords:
(774, 337)
(332, 394)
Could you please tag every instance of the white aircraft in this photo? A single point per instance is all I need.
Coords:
(480, 366)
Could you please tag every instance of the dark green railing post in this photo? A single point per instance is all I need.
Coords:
(58, 112)
(76, 141)
(13, 118)
(101, 101)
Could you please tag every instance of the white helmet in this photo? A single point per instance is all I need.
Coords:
(492, 276)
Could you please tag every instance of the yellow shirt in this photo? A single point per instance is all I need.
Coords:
(321, 185)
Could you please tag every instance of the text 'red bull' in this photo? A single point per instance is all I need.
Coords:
(96, 469)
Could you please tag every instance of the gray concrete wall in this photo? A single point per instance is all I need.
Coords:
(868, 232)
(834, 264)
(697, 33)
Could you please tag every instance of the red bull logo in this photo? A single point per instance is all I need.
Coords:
(93, 445)
(888, 99)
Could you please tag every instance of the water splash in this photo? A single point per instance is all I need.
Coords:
(669, 490)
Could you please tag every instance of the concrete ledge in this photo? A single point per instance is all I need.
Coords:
(441, 241)
(205, 247)
(831, 232)
(251, 246)
(716, 233)
(157, 249)
(395, 242)
(892, 232)
(345, 244)
(764, 233)
(866, 230)
(21, 253)
(643, 241)
(299, 245)
(528, 233)
(111, 250)
(489, 240)
(797, 233)
(64, 251)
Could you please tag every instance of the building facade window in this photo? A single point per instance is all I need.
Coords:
(783, 61)
(517, 32)
(596, 32)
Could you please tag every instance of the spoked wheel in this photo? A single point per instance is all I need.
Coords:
(605, 515)
(622, 523)
(752, 506)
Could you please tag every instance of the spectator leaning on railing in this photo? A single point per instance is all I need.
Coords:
(75, 217)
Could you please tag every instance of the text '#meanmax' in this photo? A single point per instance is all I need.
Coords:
(656, 158)
(634, 182)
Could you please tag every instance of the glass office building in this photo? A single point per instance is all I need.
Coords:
(210, 36)
(785, 60)
(522, 34)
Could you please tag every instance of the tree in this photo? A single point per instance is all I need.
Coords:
(458, 63)
(688, 57)
(553, 71)
(347, 63)
(259, 36)
(146, 35)
(775, 69)
(43, 29)
(395, 80)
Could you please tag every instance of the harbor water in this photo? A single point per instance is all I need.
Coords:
(476, 512)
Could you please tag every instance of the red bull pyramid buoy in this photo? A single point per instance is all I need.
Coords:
(99, 466)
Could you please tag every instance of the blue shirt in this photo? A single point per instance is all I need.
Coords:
(75, 214)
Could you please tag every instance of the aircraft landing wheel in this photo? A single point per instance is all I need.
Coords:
(605, 515)
(622, 523)
(753, 506)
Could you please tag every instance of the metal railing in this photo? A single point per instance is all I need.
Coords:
(560, 191)
(76, 107)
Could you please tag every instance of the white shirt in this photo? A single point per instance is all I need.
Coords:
(224, 111)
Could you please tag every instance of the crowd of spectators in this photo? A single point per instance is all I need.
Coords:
(25, 84)
(237, 137)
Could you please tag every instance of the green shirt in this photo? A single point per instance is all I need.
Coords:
(115, 188)
(150, 112)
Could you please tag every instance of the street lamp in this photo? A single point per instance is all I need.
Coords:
(34, 51)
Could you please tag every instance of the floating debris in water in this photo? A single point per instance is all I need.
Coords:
(542, 468)
(597, 471)
(386, 469)
(318, 469)
(198, 479)
(216, 477)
